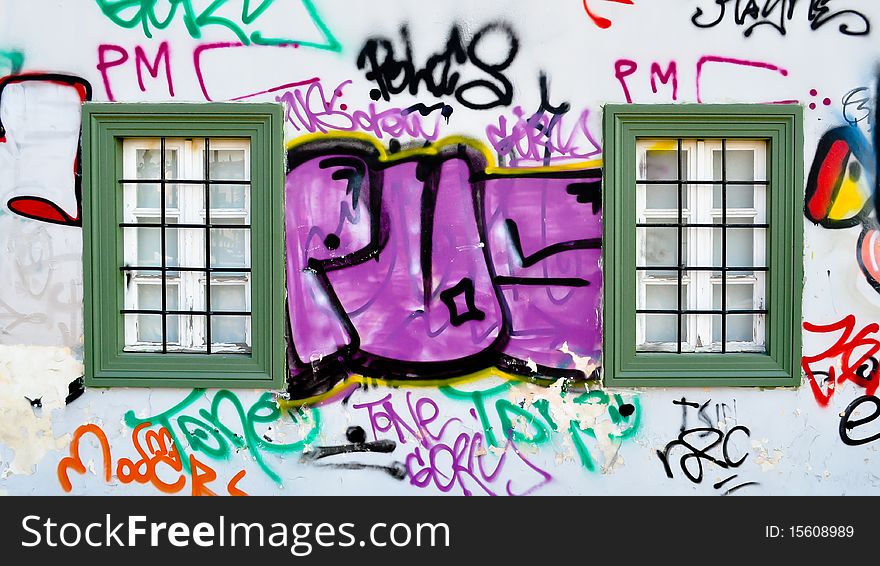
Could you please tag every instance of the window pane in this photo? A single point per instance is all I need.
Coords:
(230, 333)
(150, 296)
(228, 197)
(661, 165)
(228, 297)
(185, 247)
(150, 329)
(191, 330)
(660, 334)
(147, 163)
(148, 196)
(738, 196)
(740, 328)
(149, 246)
(740, 295)
(660, 328)
(229, 247)
(741, 245)
(660, 244)
(740, 165)
(142, 247)
(663, 296)
(227, 164)
(703, 327)
(745, 332)
(143, 332)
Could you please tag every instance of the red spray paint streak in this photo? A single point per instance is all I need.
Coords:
(862, 371)
(603, 23)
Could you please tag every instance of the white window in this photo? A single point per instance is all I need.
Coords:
(199, 254)
(701, 245)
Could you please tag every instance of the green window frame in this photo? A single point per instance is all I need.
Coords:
(781, 125)
(105, 125)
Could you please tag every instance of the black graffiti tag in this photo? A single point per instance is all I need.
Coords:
(698, 454)
(394, 73)
(848, 424)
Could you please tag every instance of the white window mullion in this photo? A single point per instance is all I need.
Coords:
(760, 249)
(699, 249)
(641, 246)
(193, 244)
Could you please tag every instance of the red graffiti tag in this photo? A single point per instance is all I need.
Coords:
(859, 367)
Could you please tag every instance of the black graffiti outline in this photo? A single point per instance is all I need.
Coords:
(529, 260)
(472, 312)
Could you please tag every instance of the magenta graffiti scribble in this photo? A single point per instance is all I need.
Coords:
(446, 466)
(626, 68)
(464, 462)
(383, 418)
(197, 61)
(542, 138)
(309, 108)
(742, 62)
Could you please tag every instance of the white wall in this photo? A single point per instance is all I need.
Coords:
(791, 443)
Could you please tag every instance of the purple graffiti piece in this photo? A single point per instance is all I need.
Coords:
(327, 217)
(548, 270)
(425, 265)
(396, 301)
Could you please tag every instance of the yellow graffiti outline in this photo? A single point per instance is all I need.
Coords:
(435, 148)
(357, 379)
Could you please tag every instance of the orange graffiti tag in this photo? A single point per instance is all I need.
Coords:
(74, 461)
(232, 487)
(157, 450)
(159, 454)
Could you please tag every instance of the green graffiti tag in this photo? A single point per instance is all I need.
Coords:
(11, 62)
(521, 425)
(132, 13)
(207, 434)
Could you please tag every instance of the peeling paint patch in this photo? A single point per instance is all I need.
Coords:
(583, 363)
(764, 457)
(591, 414)
(28, 373)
